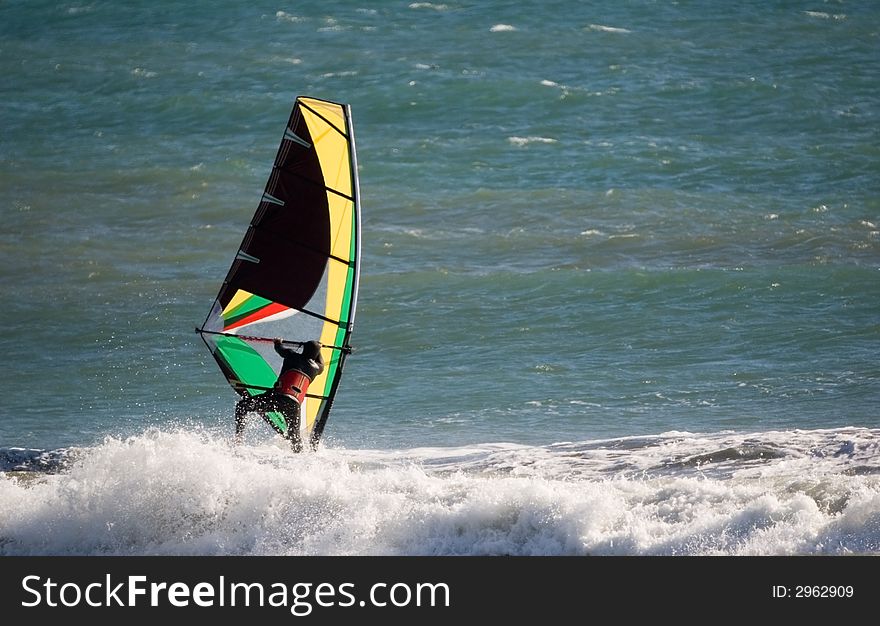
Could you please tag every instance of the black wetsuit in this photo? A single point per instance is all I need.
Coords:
(310, 363)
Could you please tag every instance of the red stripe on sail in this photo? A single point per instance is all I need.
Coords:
(263, 313)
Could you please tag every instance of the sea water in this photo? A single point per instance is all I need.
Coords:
(620, 289)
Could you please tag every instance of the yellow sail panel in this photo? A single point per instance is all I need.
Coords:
(331, 144)
(237, 300)
(318, 387)
(334, 113)
(337, 275)
(338, 289)
(340, 226)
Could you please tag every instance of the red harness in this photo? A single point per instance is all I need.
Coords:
(293, 384)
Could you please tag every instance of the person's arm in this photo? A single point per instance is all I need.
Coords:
(282, 350)
(319, 362)
(317, 359)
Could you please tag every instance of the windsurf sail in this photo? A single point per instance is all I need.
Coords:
(295, 275)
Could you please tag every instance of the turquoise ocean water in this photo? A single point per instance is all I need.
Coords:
(620, 289)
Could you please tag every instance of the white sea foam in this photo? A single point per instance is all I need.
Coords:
(189, 493)
(428, 5)
(523, 141)
(607, 29)
(502, 28)
(143, 73)
(826, 16)
(284, 16)
(339, 74)
(288, 60)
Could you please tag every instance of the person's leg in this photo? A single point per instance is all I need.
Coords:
(291, 411)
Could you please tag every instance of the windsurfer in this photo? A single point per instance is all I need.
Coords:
(297, 371)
